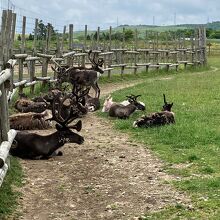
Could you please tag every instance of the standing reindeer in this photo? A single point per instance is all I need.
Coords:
(81, 76)
(34, 146)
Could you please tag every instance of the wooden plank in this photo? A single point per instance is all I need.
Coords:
(131, 67)
(38, 78)
(19, 56)
(71, 53)
(32, 58)
(4, 76)
(106, 53)
(31, 84)
(20, 83)
(3, 172)
(5, 147)
(131, 52)
(107, 69)
(143, 64)
(118, 65)
(44, 55)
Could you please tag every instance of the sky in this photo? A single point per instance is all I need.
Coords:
(104, 13)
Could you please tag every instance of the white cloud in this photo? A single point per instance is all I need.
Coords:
(106, 12)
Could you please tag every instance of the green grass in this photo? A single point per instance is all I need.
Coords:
(8, 193)
(193, 140)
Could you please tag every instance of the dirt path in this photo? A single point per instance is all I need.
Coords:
(108, 177)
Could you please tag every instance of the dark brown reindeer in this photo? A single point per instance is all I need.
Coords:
(81, 76)
(34, 146)
(164, 117)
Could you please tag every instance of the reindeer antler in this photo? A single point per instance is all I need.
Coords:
(57, 111)
(95, 60)
(164, 99)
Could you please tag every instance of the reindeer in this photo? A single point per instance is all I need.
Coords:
(30, 120)
(34, 146)
(123, 112)
(81, 76)
(26, 105)
(91, 103)
(109, 102)
(157, 118)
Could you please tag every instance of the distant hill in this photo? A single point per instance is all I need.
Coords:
(142, 28)
(214, 25)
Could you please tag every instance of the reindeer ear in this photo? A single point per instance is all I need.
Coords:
(171, 104)
(77, 126)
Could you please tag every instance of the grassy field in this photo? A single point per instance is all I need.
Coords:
(192, 143)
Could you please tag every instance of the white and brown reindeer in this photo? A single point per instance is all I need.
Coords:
(122, 111)
(35, 146)
(80, 76)
(164, 117)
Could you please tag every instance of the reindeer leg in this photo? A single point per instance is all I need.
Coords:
(97, 90)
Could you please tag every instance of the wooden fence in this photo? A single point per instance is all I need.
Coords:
(6, 75)
(33, 66)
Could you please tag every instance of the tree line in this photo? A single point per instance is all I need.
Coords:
(128, 34)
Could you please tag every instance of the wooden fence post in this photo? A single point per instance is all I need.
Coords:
(63, 39)
(70, 37)
(98, 38)
(35, 36)
(85, 38)
(23, 40)
(110, 38)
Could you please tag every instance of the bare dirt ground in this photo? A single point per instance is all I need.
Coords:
(108, 177)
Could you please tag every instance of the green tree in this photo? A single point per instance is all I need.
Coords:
(19, 37)
(129, 34)
(42, 31)
(31, 37)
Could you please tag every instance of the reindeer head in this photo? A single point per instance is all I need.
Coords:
(166, 106)
(107, 104)
(62, 126)
(133, 100)
(96, 62)
(62, 74)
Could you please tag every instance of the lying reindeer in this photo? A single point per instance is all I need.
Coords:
(109, 102)
(26, 105)
(81, 76)
(157, 118)
(123, 112)
(30, 121)
(34, 146)
(92, 104)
